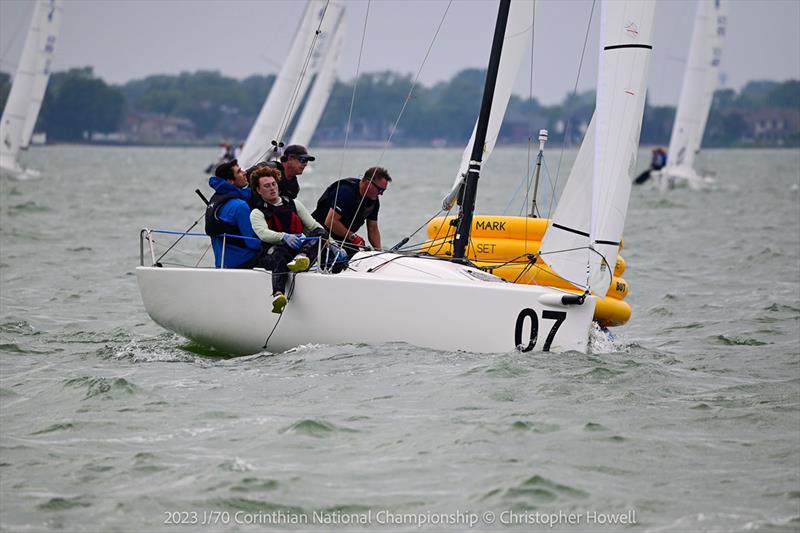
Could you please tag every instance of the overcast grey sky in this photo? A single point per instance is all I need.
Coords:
(129, 39)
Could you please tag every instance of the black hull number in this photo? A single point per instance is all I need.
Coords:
(558, 316)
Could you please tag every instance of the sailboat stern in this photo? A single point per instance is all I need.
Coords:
(230, 312)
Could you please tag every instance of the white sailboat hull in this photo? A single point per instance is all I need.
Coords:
(11, 168)
(425, 302)
(671, 177)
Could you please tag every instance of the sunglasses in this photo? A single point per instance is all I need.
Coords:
(381, 190)
(303, 159)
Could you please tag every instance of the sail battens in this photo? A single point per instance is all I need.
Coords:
(618, 46)
(598, 189)
(571, 230)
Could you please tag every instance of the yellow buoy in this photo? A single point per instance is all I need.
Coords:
(506, 245)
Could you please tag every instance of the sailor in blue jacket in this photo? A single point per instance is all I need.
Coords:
(228, 213)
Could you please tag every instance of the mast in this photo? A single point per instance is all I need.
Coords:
(464, 224)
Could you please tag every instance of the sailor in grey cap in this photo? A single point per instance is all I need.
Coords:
(293, 163)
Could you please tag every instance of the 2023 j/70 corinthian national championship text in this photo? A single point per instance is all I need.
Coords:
(383, 517)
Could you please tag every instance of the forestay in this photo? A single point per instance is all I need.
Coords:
(517, 38)
(290, 85)
(699, 83)
(607, 157)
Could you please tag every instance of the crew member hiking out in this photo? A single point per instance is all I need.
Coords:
(228, 213)
(348, 203)
(658, 160)
(280, 222)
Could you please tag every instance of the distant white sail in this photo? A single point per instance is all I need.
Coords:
(290, 85)
(323, 85)
(699, 83)
(607, 157)
(517, 39)
(29, 83)
(49, 26)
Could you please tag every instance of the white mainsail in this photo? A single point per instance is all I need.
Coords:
(699, 83)
(323, 85)
(29, 84)
(517, 39)
(607, 157)
(290, 85)
(49, 26)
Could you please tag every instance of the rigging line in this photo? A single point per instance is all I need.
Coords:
(414, 84)
(350, 119)
(289, 292)
(296, 94)
(552, 188)
(208, 247)
(423, 225)
(405, 104)
(513, 197)
(530, 118)
(574, 93)
(289, 111)
(353, 96)
(435, 237)
(444, 224)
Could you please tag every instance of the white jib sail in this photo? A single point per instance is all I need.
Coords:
(565, 243)
(15, 113)
(699, 83)
(49, 25)
(323, 84)
(607, 157)
(289, 88)
(517, 39)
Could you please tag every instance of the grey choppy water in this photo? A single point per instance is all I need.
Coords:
(690, 420)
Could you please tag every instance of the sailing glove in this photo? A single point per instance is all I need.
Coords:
(293, 240)
(357, 240)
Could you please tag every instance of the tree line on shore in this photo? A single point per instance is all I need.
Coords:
(78, 105)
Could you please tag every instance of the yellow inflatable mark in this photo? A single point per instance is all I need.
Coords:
(540, 274)
(498, 250)
(496, 227)
(491, 226)
(504, 245)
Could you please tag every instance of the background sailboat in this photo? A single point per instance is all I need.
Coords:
(293, 81)
(29, 85)
(323, 83)
(697, 92)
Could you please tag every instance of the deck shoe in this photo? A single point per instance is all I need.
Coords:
(278, 302)
(300, 263)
